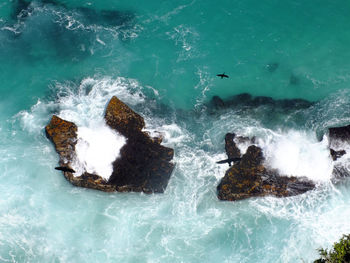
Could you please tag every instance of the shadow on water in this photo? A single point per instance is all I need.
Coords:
(247, 100)
(268, 111)
(49, 28)
(20, 8)
(294, 80)
(106, 18)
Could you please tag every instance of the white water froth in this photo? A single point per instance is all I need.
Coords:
(96, 150)
(98, 145)
(297, 153)
(181, 224)
(83, 104)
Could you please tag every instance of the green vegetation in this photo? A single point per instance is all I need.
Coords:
(340, 253)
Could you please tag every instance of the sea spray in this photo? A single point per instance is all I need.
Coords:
(97, 148)
(298, 153)
(181, 224)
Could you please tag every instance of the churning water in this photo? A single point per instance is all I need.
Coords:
(161, 58)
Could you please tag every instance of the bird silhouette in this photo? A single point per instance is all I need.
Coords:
(223, 75)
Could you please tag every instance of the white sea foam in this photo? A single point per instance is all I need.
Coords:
(188, 216)
(96, 149)
(97, 146)
(82, 104)
(297, 153)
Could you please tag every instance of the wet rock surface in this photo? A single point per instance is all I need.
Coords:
(231, 148)
(339, 134)
(337, 154)
(63, 134)
(144, 165)
(339, 139)
(250, 178)
(120, 117)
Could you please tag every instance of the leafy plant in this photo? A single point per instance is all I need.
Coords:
(340, 253)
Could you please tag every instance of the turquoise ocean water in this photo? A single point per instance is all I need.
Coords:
(70, 57)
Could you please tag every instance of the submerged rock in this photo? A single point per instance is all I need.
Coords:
(250, 178)
(247, 100)
(144, 165)
(294, 80)
(217, 102)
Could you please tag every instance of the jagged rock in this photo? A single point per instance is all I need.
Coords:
(336, 154)
(143, 165)
(250, 178)
(339, 134)
(63, 134)
(231, 148)
(217, 102)
(339, 172)
(123, 119)
(339, 137)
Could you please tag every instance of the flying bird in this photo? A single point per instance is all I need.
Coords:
(223, 75)
(230, 160)
(65, 169)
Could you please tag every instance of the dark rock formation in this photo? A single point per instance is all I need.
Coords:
(250, 178)
(120, 117)
(231, 148)
(218, 103)
(339, 137)
(337, 154)
(143, 165)
(339, 134)
(294, 80)
(63, 134)
(247, 100)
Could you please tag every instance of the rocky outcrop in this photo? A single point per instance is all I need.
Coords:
(339, 134)
(120, 117)
(231, 148)
(143, 164)
(339, 138)
(63, 134)
(337, 154)
(250, 178)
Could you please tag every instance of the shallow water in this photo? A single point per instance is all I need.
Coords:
(70, 57)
